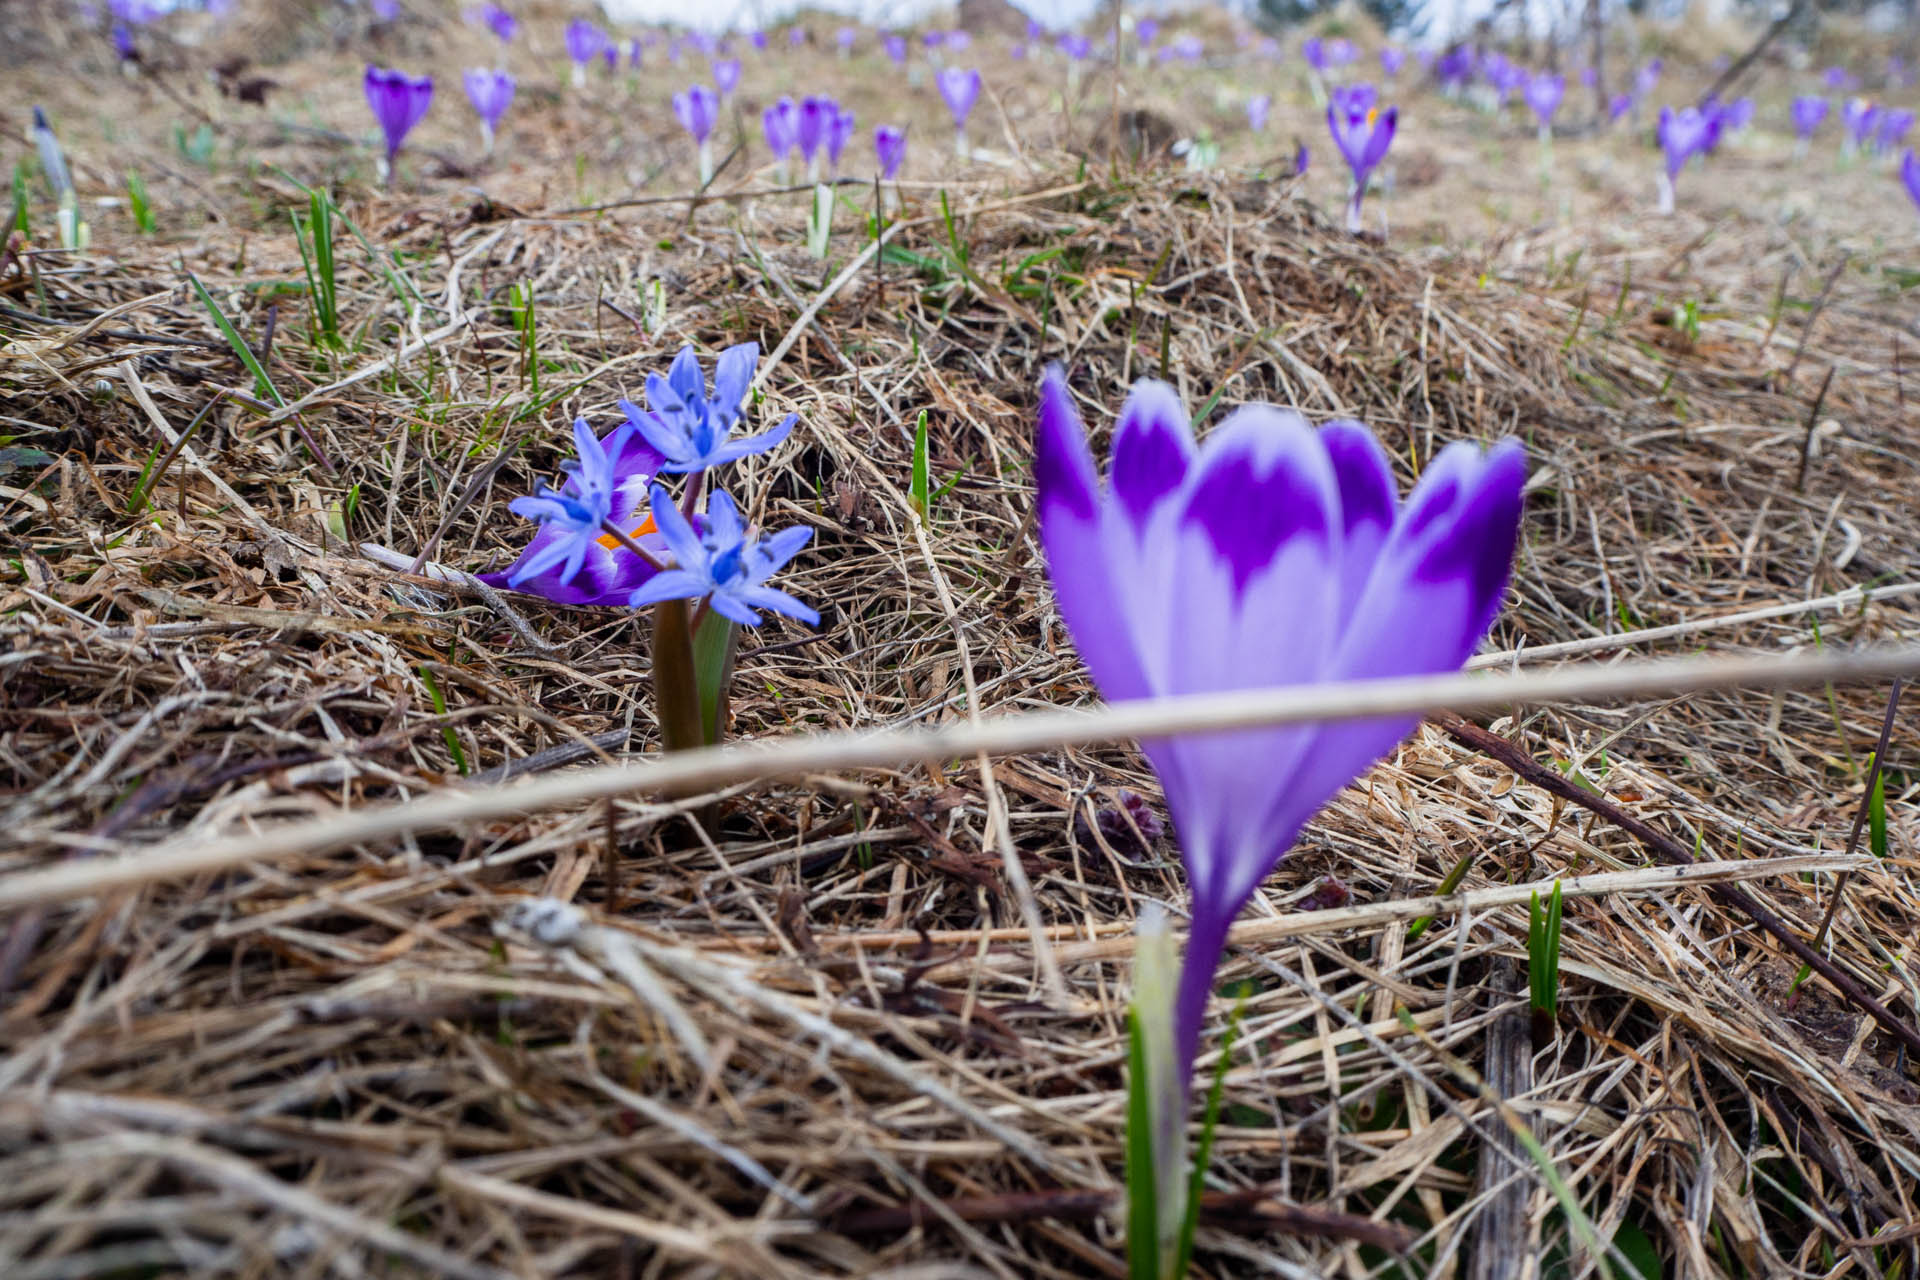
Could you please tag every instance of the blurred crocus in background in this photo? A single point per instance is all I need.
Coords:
(1268, 555)
(399, 101)
(585, 42)
(497, 20)
(896, 48)
(698, 109)
(1910, 176)
(1836, 78)
(726, 76)
(1682, 134)
(1808, 113)
(491, 93)
(781, 125)
(1544, 92)
(890, 150)
(816, 117)
(1861, 119)
(839, 132)
(1363, 133)
(961, 89)
(1257, 107)
(1619, 105)
(53, 166)
(1891, 133)
(1392, 60)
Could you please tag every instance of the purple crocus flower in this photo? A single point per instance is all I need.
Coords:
(845, 38)
(1268, 555)
(933, 39)
(1808, 112)
(1619, 105)
(723, 564)
(1682, 134)
(1075, 46)
(398, 101)
(1392, 59)
(698, 109)
(491, 93)
(890, 149)
(585, 42)
(495, 19)
(1146, 31)
(384, 10)
(690, 429)
(1363, 133)
(571, 559)
(1910, 176)
(1314, 50)
(726, 76)
(123, 43)
(839, 132)
(959, 41)
(1302, 157)
(781, 125)
(1257, 107)
(960, 88)
(758, 39)
(1861, 119)
(796, 36)
(896, 48)
(1895, 123)
(817, 114)
(1836, 78)
(1543, 93)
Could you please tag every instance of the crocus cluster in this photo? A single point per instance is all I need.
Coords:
(1270, 554)
(1362, 132)
(399, 102)
(610, 535)
(817, 126)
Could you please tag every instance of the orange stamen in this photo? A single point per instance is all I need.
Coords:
(612, 543)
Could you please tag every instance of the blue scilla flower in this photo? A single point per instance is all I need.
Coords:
(575, 513)
(690, 429)
(723, 563)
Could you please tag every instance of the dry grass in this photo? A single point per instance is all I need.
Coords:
(363, 1063)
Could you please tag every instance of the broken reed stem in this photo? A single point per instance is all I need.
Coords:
(1671, 851)
(690, 771)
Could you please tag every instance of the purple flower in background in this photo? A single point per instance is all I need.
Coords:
(723, 563)
(1808, 112)
(123, 43)
(611, 56)
(817, 114)
(1647, 77)
(796, 37)
(1589, 77)
(959, 41)
(845, 37)
(1454, 68)
(933, 39)
(633, 54)
(491, 93)
(1269, 49)
(1392, 59)
(1543, 93)
(896, 48)
(585, 42)
(1177, 574)
(758, 39)
(1075, 46)
(890, 149)
(1910, 176)
(1257, 107)
(1619, 105)
(697, 109)
(1146, 31)
(1314, 50)
(1363, 133)
(1302, 157)
(398, 101)
(960, 89)
(495, 19)
(781, 125)
(1836, 78)
(571, 559)
(690, 429)
(1895, 123)
(384, 10)
(1861, 118)
(839, 131)
(1035, 30)
(1187, 48)
(726, 76)
(1682, 134)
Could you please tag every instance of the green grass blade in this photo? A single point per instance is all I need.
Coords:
(1143, 1245)
(263, 385)
(1455, 875)
(447, 734)
(922, 481)
(1204, 1152)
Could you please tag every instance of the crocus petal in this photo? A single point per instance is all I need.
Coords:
(669, 584)
(688, 552)
(775, 601)
(1152, 446)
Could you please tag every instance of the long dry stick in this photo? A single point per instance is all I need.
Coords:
(690, 771)
(1667, 849)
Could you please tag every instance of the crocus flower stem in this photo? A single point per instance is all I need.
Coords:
(691, 501)
(676, 695)
(1359, 191)
(706, 161)
(960, 144)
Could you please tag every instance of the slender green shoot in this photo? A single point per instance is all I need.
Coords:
(1543, 953)
(520, 306)
(138, 205)
(1143, 1219)
(1451, 884)
(447, 734)
(263, 385)
(19, 220)
(1203, 1153)
(920, 486)
(314, 236)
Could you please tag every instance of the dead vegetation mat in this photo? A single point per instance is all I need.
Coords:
(837, 1054)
